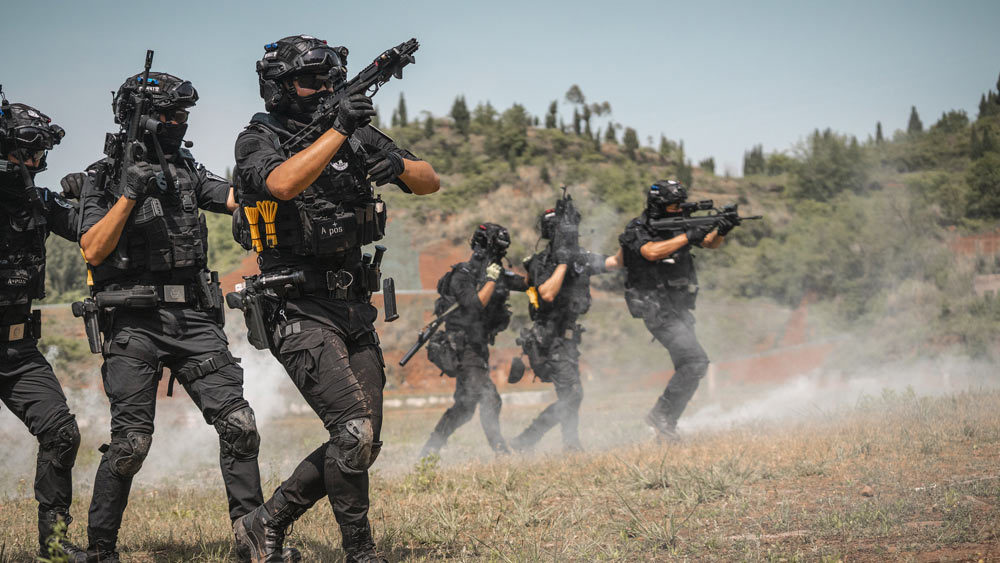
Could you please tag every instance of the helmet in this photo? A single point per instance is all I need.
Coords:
(547, 221)
(290, 57)
(24, 128)
(663, 193)
(167, 94)
(490, 241)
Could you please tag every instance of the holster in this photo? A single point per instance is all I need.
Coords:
(257, 309)
(209, 294)
(535, 340)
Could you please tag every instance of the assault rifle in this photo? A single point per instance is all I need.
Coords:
(385, 66)
(687, 220)
(427, 332)
(131, 147)
(567, 228)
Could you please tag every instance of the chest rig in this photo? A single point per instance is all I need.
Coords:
(166, 231)
(22, 255)
(675, 271)
(573, 298)
(338, 212)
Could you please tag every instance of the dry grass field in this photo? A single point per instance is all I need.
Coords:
(890, 477)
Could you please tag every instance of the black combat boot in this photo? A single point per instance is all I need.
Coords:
(100, 549)
(433, 445)
(664, 425)
(260, 535)
(47, 519)
(359, 546)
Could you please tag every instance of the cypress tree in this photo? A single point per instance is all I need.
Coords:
(609, 134)
(402, 111)
(460, 114)
(576, 122)
(550, 117)
(429, 126)
(878, 133)
(915, 126)
(631, 141)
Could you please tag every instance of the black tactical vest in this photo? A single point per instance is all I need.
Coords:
(336, 214)
(573, 298)
(675, 271)
(22, 254)
(480, 327)
(166, 232)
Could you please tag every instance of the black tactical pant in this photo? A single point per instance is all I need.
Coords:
(179, 338)
(673, 327)
(562, 368)
(29, 388)
(473, 386)
(330, 350)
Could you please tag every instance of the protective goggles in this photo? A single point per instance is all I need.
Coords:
(32, 138)
(178, 116)
(318, 59)
(314, 81)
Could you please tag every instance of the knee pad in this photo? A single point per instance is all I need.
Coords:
(126, 453)
(353, 446)
(696, 369)
(238, 435)
(59, 446)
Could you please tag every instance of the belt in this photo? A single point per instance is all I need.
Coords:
(337, 284)
(31, 327)
(168, 294)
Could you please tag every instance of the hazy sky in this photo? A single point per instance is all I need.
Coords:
(722, 76)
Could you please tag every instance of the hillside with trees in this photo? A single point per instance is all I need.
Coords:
(862, 228)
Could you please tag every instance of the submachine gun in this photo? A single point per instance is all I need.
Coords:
(385, 66)
(687, 219)
(427, 332)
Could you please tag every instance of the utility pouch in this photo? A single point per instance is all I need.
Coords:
(444, 350)
(381, 215)
(331, 232)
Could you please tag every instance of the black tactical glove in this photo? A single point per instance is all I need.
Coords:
(696, 235)
(72, 184)
(727, 224)
(353, 112)
(384, 167)
(140, 180)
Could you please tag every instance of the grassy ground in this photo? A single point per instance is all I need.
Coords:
(896, 477)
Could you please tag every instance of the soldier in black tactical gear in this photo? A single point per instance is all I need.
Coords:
(308, 207)
(480, 288)
(144, 238)
(28, 385)
(660, 288)
(560, 294)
